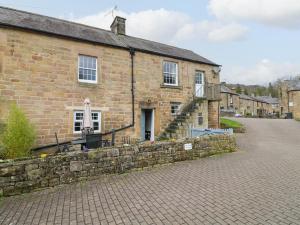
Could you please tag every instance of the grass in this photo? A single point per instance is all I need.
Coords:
(227, 123)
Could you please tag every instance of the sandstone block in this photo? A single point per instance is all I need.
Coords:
(76, 166)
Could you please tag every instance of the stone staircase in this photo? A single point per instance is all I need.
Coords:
(179, 127)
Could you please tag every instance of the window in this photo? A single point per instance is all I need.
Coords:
(170, 70)
(199, 77)
(87, 69)
(175, 108)
(200, 119)
(78, 121)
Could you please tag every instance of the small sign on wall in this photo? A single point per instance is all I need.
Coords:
(188, 146)
(291, 103)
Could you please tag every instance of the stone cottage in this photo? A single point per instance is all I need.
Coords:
(289, 98)
(229, 101)
(140, 88)
(270, 105)
(246, 105)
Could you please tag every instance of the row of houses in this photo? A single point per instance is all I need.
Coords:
(245, 105)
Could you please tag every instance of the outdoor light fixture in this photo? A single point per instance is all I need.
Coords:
(216, 69)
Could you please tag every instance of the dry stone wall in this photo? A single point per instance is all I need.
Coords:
(25, 175)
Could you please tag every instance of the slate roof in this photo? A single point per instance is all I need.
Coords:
(247, 97)
(49, 25)
(268, 99)
(225, 89)
(294, 85)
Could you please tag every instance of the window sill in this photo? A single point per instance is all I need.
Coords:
(171, 86)
(87, 84)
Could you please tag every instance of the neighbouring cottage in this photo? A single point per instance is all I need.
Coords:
(246, 105)
(270, 105)
(140, 88)
(289, 98)
(230, 101)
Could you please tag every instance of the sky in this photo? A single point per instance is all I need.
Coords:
(255, 41)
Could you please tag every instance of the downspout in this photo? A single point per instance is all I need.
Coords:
(288, 103)
(132, 54)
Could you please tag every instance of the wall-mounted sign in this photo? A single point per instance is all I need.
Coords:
(188, 146)
(291, 103)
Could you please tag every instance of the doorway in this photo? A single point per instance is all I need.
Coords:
(199, 84)
(147, 125)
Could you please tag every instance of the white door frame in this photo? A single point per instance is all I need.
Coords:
(152, 138)
(199, 84)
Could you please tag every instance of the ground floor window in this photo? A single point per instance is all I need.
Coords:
(200, 119)
(78, 121)
(175, 108)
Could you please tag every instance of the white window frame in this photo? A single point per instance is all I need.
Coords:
(178, 105)
(83, 80)
(81, 121)
(176, 73)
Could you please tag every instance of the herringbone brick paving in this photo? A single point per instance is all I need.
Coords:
(259, 184)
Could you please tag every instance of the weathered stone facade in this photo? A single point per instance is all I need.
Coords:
(294, 99)
(246, 106)
(40, 73)
(289, 97)
(230, 101)
(22, 176)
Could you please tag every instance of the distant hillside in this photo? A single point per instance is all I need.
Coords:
(257, 90)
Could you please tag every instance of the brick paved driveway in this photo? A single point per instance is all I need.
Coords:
(260, 184)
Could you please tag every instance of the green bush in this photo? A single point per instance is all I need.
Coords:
(19, 135)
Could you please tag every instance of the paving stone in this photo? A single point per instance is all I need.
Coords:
(257, 185)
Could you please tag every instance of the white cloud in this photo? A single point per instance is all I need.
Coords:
(169, 26)
(282, 13)
(263, 72)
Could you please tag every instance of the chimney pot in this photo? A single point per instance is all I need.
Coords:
(118, 26)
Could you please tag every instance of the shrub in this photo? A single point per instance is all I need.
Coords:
(19, 135)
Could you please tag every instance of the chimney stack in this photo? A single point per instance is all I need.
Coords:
(118, 26)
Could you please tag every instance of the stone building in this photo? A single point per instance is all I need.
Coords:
(230, 101)
(140, 88)
(261, 106)
(246, 105)
(289, 98)
(270, 105)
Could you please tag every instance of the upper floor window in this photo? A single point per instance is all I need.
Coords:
(170, 70)
(78, 121)
(87, 69)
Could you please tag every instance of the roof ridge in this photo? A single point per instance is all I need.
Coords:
(55, 18)
(100, 35)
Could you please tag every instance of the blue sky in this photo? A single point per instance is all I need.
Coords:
(256, 41)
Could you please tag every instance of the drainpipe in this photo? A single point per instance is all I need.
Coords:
(132, 54)
(288, 96)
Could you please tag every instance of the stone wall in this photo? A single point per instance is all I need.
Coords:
(225, 101)
(246, 107)
(22, 176)
(294, 97)
(213, 114)
(40, 74)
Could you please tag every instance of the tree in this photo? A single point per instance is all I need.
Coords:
(19, 135)
(271, 90)
(246, 92)
(238, 89)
